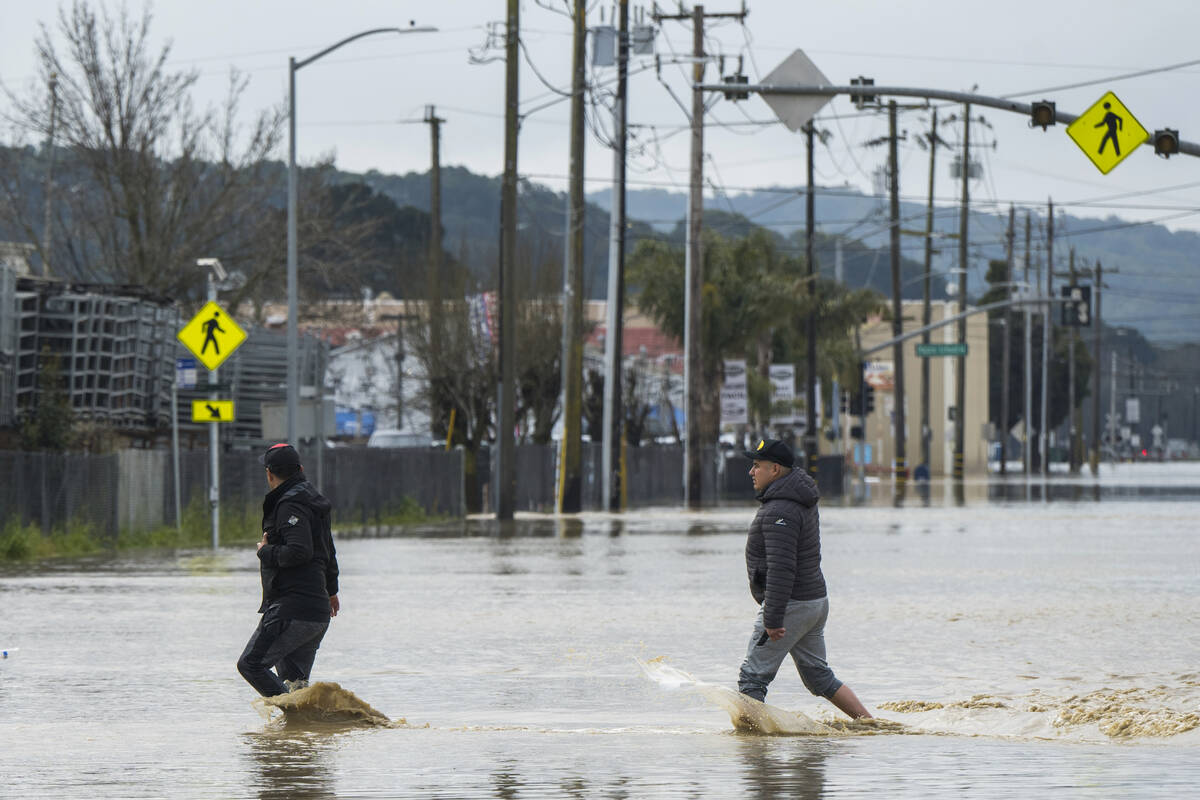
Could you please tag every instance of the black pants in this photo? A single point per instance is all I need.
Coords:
(288, 645)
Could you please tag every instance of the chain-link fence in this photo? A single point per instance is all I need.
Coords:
(135, 490)
(55, 490)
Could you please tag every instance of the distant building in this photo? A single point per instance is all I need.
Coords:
(880, 425)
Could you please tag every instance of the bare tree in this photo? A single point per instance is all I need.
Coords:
(152, 183)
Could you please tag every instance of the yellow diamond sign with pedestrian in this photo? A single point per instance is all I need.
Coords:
(212, 335)
(1107, 132)
(212, 411)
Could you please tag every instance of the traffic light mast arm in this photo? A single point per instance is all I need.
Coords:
(955, 318)
(1026, 109)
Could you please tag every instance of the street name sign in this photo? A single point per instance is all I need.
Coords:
(212, 335)
(212, 411)
(185, 373)
(1107, 132)
(942, 349)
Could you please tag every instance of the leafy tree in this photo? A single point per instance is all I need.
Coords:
(755, 300)
(48, 425)
(157, 182)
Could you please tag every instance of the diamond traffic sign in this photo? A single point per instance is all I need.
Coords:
(212, 335)
(795, 111)
(1107, 132)
(212, 411)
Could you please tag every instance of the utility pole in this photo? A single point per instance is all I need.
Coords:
(1072, 460)
(506, 474)
(960, 378)
(1112, 403)
(48, 191)
(693, 259)
(570, 474)
(1047, 327)
(1006, 357)
(899, 461)
(926, 308)
(694, 269)
(811, 440)
(1095, 455)
(433, 282)
(614, 416)
(1027, 438)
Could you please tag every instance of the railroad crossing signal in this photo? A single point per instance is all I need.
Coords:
(212, 335)
(212, 411)
(1107, 132)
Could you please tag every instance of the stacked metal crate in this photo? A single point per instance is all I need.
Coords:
(114, 345)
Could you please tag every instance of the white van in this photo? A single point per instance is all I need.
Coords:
(390, 437)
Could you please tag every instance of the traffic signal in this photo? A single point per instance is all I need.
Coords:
(733, 81)
(1166, 142)
(868, 398)
(861, 100)
(1077, 310)
(1042, 114)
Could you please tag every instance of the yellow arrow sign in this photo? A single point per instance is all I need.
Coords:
(212, 335)
(1107, 132)
(212, 411)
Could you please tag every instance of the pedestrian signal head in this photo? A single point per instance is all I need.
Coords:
(1042, 114)
(1166, 142)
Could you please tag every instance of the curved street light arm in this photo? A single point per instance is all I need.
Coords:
(349, 39)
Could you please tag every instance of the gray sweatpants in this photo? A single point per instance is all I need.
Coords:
(288, 645)
(804, 621)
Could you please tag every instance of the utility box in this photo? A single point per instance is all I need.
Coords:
(274, 419)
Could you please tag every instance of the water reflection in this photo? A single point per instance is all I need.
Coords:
(793, 768)
(292, 765)
(569, 527)
(507, 783)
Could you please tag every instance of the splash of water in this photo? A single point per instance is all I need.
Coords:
(746, 713)
(323, 703)
(1126, 713)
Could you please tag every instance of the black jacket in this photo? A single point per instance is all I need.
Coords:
(298, 563)
(783, 550)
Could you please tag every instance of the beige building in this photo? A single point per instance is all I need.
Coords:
(942, 376)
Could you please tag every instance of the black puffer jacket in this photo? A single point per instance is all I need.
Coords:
(298, 563)
(783, 550)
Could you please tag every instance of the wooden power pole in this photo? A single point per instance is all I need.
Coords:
(570, 474)
(506, 474)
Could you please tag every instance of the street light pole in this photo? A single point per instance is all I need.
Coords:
(293, 339)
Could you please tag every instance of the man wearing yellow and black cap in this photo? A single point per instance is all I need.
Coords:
(783, 562)
(299, 569)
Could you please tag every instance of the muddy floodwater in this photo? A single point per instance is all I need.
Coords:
(1015, 648)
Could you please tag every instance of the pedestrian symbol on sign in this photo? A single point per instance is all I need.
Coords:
(1114, 123)
(1107, 133)
(210, 334)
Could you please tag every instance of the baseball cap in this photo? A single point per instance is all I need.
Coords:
(279, 455)
(771, 450)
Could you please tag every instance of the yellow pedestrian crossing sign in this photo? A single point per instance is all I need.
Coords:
(1107, 132)
(212, 411)
(212, 335)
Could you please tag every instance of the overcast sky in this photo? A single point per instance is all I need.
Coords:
(356, 103)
